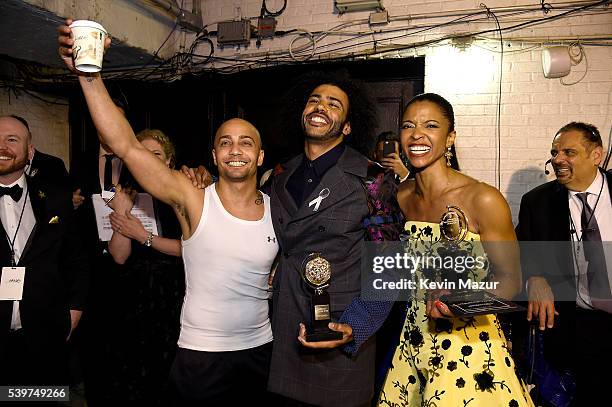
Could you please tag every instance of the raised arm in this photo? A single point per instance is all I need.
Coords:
(115, 132)
(499, 240)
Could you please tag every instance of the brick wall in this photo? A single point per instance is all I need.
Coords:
(532, 107)
(48, 122)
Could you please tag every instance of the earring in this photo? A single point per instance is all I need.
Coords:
(448, 154)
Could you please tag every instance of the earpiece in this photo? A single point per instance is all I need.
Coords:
(545, 164)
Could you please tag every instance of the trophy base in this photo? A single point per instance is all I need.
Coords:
(324, 336)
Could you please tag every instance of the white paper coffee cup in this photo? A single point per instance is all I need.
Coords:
(88, 48)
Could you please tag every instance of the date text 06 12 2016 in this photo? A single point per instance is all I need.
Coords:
(34, 393)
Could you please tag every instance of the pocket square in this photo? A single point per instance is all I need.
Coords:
(54, 219)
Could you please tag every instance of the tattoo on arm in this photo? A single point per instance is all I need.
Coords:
(180, 210)
(259, 200)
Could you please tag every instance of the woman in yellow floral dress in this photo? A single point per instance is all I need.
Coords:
(443, 360)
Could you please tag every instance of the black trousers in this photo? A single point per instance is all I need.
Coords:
(220, 378)
(33, 360)
(592, 356)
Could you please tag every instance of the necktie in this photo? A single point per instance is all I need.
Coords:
(597, 273)
(108, 171)
(14, 192)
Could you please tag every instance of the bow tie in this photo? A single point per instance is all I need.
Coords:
(15, 192)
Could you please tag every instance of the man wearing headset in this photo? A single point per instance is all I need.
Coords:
(568, 275)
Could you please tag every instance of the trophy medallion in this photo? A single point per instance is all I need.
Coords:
(316, 273)
(453, 224)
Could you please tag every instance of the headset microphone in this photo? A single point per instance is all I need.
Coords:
(545, 164)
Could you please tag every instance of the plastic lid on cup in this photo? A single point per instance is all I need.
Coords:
(88, 23)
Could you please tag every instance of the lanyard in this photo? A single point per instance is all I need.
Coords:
(12, 242)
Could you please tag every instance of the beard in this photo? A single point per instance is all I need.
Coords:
(333, 132)
(15, 165)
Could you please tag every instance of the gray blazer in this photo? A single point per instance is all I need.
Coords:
(320, 377)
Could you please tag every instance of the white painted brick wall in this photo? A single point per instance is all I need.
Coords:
(48, 122)
(533, 107)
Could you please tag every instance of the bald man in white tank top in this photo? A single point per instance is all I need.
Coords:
(229, 246)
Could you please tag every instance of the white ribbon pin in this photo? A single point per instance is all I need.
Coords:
(317, 201)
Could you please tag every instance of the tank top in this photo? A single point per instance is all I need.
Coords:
(227, 263)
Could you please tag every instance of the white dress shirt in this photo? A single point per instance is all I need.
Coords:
(10, 212)
(603, 216)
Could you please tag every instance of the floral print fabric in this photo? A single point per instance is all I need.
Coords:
(463, 362)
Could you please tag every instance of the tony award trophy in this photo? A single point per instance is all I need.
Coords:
(316, 273)
(469, 302)
(453, 224)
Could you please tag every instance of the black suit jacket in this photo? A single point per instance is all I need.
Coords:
(544, 217)
(335, 230)
(57, 270)
(546, 251)
(85, 175)
(47, 168)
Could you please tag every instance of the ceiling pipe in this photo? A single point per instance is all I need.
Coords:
(188, 20)
(170, 6)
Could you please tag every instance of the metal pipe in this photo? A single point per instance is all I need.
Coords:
(456, 13)
(169, 5)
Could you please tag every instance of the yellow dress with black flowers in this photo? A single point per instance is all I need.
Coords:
(463, 361)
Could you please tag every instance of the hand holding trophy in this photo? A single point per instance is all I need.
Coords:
(468, 302)
(316, 273)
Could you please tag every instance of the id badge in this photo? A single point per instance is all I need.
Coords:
(11, 283)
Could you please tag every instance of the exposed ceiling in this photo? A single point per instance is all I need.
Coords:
(29, 33)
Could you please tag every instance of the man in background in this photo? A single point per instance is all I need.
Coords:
(40, 237)
(568, 277)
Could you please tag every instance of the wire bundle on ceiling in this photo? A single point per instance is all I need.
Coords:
(343, 43)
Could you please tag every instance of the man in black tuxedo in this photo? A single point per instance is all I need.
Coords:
(565, 291)
(91, 176)
(38, 234)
